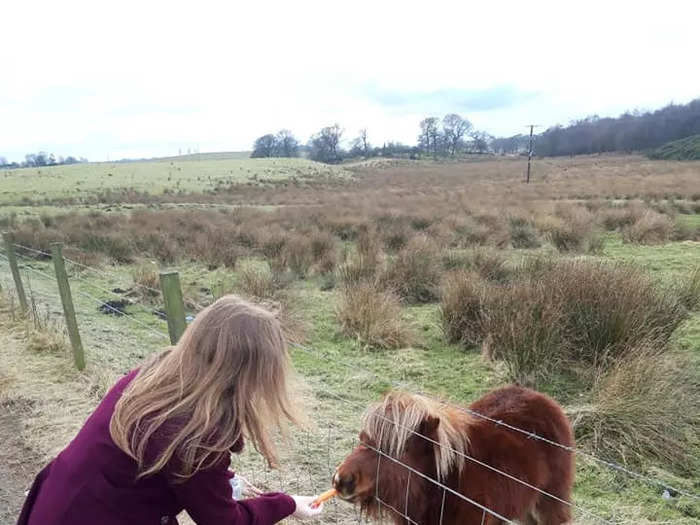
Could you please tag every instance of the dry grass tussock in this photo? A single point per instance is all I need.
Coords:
(373, 317)
(650, 228)
(558, 314)
(415, 271)
(646, 407)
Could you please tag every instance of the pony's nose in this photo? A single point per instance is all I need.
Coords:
(344, 484)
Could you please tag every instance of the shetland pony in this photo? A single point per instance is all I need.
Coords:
(433, 439)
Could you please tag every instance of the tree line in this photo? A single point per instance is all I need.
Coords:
(447, 137)
(40, 159)
(631, 131)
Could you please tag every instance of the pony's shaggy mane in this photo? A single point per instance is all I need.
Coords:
(392, 422)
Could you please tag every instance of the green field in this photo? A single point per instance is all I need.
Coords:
(29, 185)
(339, 375)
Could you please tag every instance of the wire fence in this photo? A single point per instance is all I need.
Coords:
(316, 465)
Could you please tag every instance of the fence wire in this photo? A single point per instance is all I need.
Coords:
(382, 454)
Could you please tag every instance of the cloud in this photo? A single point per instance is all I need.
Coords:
(446, 100)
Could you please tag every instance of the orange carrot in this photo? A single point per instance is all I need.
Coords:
(324, 497)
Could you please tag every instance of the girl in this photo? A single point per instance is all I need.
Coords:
(160, 440)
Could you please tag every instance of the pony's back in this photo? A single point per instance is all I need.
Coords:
(541, 464)
(527, 410)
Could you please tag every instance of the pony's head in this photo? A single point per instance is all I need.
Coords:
(402, 430)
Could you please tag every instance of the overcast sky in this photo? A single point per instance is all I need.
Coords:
(107, 80)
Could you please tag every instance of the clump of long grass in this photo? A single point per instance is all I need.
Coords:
(257, 280)
(609, 308)
(591, 312)
(373, 317)
(461, 307)
(618, 217)
(572, 232)
(491, 264)
(415, 271)
(362, 264)
(522, 233)
(646, 406)
(146, 281)
(297, 255)
(522, 328)
(47, 341)
(650, 228)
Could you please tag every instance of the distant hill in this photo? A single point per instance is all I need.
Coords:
(218, 155)
(683, 149)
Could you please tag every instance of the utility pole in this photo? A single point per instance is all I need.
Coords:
(529, 154)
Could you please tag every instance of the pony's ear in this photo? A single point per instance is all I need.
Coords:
(366, 440)
(429, 426)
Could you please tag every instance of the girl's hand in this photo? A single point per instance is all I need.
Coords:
(304, 511)
(249, 490)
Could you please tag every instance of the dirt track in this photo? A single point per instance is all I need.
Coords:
(18, 463)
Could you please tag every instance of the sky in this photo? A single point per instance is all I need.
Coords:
(109, 80)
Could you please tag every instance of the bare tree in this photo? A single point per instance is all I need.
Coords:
(287, 144)
(429, 135)
(325, 145)
(481, 141)
(454, 130)
(361, 145)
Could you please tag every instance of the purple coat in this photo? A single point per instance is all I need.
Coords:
(93, 482)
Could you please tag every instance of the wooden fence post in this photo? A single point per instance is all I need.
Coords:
(10, 248)
(67, 301)
(174, 305)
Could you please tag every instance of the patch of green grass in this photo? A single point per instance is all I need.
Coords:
(672, 258)
(154, 177)
(692, 221)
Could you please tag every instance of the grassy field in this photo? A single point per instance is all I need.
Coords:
(22, 186)
(600, 209)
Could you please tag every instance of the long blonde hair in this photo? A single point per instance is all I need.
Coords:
(226, 378)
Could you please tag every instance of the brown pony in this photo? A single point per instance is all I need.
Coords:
(433, 439)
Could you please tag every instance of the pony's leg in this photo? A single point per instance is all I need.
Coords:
(550, 512)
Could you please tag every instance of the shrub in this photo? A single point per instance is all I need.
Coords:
(522, 327)
(591, 313)
(322, 246)
(258, 281)
(395, 231)
(618, 217)
(415, 272)
(522, 233)
(645, 407)
(650, 228)
(271, 242)
(146, 281)
(610, 308)
(372, 316)
(297, 255)
(461, 307)
(112, 245)
(488, 263)
(216, 249)
(566, 235)
(362, 264)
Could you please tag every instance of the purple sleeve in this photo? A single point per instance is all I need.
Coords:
(208, 499)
